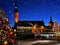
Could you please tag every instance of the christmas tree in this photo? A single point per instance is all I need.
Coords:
(6, 34)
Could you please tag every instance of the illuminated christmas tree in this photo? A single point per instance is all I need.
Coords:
(6, 33)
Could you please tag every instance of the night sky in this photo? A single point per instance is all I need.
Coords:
(32, 10)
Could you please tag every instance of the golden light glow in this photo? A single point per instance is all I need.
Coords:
(11, 33)
(42, 28)
(50, 25)
(34, 27)
(10, 30)
(16, 17)
(5, 42)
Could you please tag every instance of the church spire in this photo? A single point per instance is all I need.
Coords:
(15, 4)
(16, 13)
(15, 7)
(50, 18)
(50, 22)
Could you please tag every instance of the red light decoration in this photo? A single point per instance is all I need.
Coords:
(12, 40)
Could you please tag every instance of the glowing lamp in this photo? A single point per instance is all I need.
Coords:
(5, 42)
(14, 30)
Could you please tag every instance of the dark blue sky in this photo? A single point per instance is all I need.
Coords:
(32, 10)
